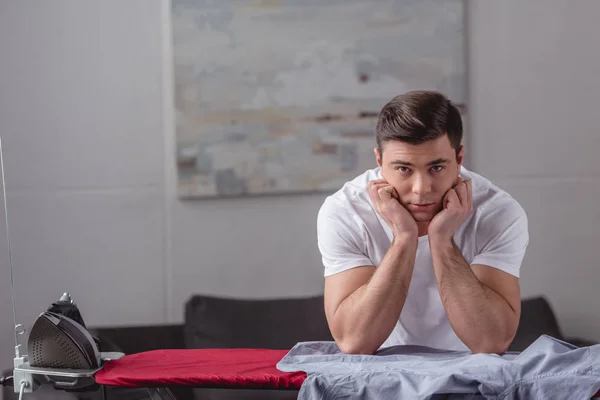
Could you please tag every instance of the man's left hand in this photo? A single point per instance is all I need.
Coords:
(457, 205)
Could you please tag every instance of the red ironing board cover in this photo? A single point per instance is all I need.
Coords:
(225, 368)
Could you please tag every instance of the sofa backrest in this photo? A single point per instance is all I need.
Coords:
(537, 318)
(218, 322)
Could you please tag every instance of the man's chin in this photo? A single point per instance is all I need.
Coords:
(422, 216)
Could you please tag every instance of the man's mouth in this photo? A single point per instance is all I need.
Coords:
(421, 206)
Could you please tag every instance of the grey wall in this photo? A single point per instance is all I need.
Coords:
(80, 112)
(534, 107)
(88, 137)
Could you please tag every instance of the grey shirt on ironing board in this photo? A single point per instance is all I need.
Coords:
(548, 369)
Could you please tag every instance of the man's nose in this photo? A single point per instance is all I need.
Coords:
(421, 185)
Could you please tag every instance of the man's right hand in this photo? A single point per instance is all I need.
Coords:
(386, 202)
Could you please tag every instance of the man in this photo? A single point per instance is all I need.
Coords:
(420, 250)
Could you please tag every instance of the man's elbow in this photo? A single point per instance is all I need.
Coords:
(499, 346)
(355, 347)
(489, 348)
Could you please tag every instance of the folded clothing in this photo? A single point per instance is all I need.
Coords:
(547, 369)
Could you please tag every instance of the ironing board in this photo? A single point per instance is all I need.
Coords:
(223, 368)
(208, 368)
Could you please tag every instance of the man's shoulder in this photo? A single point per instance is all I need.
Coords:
(489, 199)
(352, 197)
(498, 226)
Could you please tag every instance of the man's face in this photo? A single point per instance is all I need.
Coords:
(421, 174)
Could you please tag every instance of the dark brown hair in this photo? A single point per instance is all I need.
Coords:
(418, 116)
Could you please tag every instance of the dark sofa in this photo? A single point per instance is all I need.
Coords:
(213, 322)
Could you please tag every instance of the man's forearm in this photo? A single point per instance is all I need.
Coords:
(368, 316)
(478, 315)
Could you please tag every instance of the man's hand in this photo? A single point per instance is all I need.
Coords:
(386, 202)
(457, 205)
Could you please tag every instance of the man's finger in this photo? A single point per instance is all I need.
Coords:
(373, 189)
(377, 182)
(470, 194)
(463, 197)
(380, 184)
(386, 192)
(446, 197)
(378, 187)
(451, 200)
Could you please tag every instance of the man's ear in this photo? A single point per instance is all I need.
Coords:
(377, 156)
(460, 155)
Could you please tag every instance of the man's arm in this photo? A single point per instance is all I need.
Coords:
(482, 303)
(363, 304)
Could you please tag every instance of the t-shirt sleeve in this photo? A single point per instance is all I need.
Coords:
(502, 236)
(339, 238)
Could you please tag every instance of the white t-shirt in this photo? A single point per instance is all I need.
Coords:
(351, 234)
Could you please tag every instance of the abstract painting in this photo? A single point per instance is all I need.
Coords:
(281, 96)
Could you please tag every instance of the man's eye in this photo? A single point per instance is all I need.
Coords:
(404, 170)
(437, 168)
